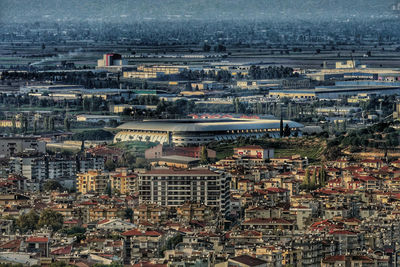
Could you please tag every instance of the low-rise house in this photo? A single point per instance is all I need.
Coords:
(243, 261)
(115, 225)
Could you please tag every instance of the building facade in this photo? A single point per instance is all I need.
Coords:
(92, 181)
(173, 188)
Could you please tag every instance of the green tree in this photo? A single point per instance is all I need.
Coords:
(67, 124)
(203, 155)
(306, 181)
(313, 181)
(110, 165)
(140, 163)
(322, 176)
(128, 214)
(46, 123)
(51, 219)
(108, 190)
(86, 104)
(286, 131)
(35, 126)
(28, 222)
(206, 47)
(51, 124)
(24, 123)
(281, 127)
(51, 185)
(14, 125)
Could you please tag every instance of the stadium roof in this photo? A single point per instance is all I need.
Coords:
(188, 125)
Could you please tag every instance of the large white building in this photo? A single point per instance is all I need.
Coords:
(202, 131)
(172, 188)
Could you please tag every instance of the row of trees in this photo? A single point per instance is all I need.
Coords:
(215, 75)
(317, 179)
(93, 135)
(256, 72)
(32, 221)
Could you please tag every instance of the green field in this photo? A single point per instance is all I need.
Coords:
(312, 153)
(312, 148)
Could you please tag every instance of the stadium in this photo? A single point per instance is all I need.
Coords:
(194, 132)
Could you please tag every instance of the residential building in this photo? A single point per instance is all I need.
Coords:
(173, 188)
(92, 182)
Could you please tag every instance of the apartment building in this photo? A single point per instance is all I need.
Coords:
(172, 188)
(124, 181)
(10, 146)
(92, 181)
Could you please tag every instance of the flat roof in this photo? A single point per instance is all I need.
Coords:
(177, 159)
(180, 172)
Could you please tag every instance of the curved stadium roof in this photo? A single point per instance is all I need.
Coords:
(186, 125)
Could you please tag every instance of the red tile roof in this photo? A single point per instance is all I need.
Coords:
(334, 258)
(12, 245)
(341, 232)
(62, 251)
(135, 232)
(372, 161)
(248, 260)
(267, 221)
(34, 239)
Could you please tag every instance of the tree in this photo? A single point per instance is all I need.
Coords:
(14, 125)
(313, 181)
(108, 189)
(67, 124)
(109, 165)
(306, 181)
(93, 135)
(188, 87)
(112, 123)
(140, 163)
(281, 128)
(128, 214)
(206, 47)
(204, 155)
(86, 104)
(52, 185)
(219, 48)
(51, 219)
(51, 124)
(27, 222)
(24, 123)
(286, 131)
(35, 125)
(322, 176)
(46, 123)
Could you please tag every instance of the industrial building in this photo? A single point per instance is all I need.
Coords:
(195, 132)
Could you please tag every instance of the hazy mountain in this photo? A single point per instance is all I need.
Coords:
(133, 10)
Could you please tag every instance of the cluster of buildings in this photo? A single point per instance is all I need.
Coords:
(187, 207)
(248, 209)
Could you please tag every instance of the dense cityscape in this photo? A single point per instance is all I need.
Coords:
(199, 133)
